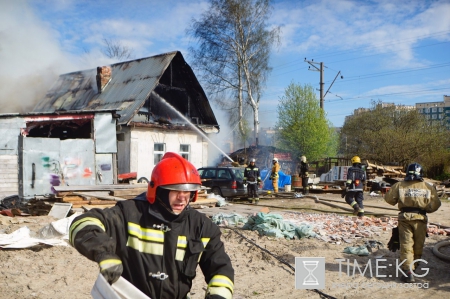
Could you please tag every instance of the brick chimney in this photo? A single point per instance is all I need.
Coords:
(103, 77)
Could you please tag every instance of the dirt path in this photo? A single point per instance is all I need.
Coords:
(263, 265)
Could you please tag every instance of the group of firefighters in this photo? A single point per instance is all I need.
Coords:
(156, 240)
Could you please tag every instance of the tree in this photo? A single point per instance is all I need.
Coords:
(390, 134)
(114, 49)
(232, 54)
(304, 130)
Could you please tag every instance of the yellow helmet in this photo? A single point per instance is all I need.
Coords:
(356, 159)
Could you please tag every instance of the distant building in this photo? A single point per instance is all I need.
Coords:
(436, 110)
(383, 105)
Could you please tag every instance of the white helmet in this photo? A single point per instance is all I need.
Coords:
(303, 158)
(275, 159)
(253, 160)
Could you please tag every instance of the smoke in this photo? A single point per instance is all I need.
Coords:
(30, 57)
(223, 140)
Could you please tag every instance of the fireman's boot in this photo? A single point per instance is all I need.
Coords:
(355, 207)
(256, 201)
(409, 278)
(360, 213)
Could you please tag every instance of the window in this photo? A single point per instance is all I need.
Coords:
(158, 152)
(440, 109)
(184, 151)
(434, 109)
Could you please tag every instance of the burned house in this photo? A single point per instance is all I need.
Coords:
(95, 124)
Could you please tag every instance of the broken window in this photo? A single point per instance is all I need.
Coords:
(66, 129)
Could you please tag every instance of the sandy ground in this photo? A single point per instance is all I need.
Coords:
(264, 267)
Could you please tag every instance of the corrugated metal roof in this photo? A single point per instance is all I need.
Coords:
(131, 84)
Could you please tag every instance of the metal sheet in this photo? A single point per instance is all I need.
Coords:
(60, 210)
(40, 167)
(78, 161)
(105, 133)
(9, 132)
(129, 89)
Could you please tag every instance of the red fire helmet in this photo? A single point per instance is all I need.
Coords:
(173, 172)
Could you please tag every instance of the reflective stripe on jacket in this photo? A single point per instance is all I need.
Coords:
(251, 174)
(159, 257)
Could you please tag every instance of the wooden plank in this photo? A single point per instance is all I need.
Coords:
(70, 198)
(134, 191)
(102, 202)
(98, 196)
(97, 187)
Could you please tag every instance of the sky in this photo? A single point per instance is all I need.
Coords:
(391, 51)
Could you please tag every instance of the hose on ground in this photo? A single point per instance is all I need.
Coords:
(440, 254)
(323, 295)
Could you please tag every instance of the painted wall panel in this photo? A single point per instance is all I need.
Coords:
(104, 169)
(40, 167)
(78, 161)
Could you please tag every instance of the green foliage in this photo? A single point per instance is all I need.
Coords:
(388, 134)
(304, 130)
(443, 176)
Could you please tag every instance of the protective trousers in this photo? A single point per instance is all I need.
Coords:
(412, 239)
(275, 185)
(355, 197)
(305, 185)
(252, 191)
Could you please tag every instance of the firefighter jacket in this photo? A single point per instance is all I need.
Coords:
(159, 257)
(304, 168)
(414, 198)
(275, 169)
(355, 179)
(251, 174)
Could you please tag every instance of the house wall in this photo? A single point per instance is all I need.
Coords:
(136, 153)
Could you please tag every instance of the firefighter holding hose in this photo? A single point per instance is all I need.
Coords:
(155, 241)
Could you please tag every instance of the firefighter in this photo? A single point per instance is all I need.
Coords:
(303, 173)
(155, 241)
(415, 199)
(274, 174)
(253, 178)
(354, 195)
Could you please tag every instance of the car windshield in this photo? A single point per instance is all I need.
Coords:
(238, 173)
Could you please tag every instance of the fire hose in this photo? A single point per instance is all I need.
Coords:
(440, 254)
(323, 295)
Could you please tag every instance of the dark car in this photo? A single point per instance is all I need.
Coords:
(224, 181)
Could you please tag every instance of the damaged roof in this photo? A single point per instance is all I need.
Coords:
(136, 89)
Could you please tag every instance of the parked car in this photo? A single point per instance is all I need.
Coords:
(224, 181)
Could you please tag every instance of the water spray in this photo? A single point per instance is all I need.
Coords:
(189, 123)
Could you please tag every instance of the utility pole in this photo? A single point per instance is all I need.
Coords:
(320, 69)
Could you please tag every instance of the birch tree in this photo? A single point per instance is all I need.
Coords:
(232, 54)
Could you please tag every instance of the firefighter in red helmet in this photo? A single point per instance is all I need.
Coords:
(156, 241)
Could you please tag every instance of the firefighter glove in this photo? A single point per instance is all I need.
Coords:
(111, 269)
(394, 242)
